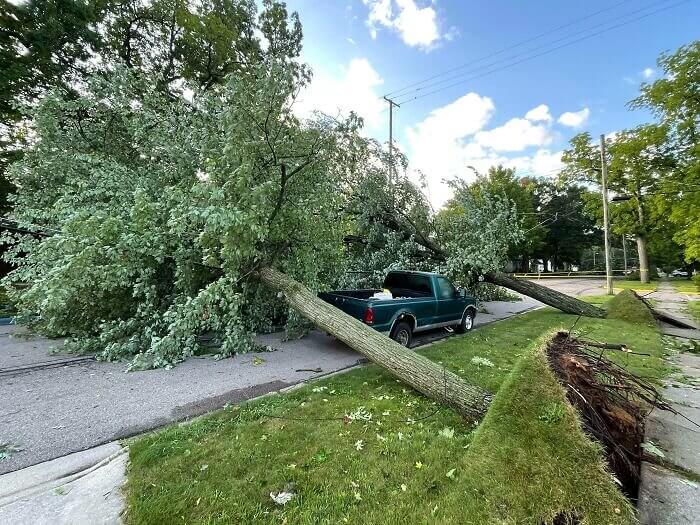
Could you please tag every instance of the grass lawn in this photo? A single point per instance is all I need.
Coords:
(397, 458)
(694, 309)
(620, 284)
(685, 285)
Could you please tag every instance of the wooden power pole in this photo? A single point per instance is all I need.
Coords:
(391, 126)
(606, 220)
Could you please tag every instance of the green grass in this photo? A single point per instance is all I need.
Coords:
(525, 463)
(635, 285)
(685, 285)
(626, 306)
(694, 309)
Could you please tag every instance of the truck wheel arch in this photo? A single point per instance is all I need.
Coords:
(403, 316)
(469, 308)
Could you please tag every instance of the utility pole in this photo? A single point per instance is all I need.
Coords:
(391, 128)
(606, 222)
(624, 253)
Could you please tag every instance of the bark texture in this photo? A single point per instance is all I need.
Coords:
(421, 373)
(563, 302)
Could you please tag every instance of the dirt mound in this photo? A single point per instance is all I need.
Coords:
(612, 404)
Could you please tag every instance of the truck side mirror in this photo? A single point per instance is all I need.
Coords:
(461, 292)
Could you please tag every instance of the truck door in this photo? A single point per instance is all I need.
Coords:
(449, 304)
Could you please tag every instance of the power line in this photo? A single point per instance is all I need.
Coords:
(545, 52)
(503, 50)
(543, 46)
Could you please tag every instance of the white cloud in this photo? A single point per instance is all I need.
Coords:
(574, 119)
(515, 135)
(379, 14)
(418, 26)
(351, 90)
(648, 72)
(351, 41)
(465, 116)
(539, 114)
(543, 163)
(453, 139)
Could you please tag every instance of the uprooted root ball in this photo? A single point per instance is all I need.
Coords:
(612, 403)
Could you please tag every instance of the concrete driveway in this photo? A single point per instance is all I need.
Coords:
(53, 405)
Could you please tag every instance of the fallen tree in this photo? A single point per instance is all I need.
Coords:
(419, 372)
(548, 296)
(470, 237)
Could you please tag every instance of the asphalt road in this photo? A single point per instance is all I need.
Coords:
(577, 286)
(52, 405)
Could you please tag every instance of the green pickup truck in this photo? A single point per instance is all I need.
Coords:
(415, 302)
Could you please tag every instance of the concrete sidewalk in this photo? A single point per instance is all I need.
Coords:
(81, 488)
(667, 495)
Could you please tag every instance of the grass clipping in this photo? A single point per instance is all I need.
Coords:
(533, 459)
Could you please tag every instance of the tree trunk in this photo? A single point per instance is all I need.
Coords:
(641, 239)
(563, 302)
(643, 260)
(413, 369)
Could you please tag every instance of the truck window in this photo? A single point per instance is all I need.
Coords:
(445, 289)
(399, 283)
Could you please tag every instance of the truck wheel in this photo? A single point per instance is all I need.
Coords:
(402, 334)
(467, 322)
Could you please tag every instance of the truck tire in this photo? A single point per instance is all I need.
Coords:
(402, 334)
(467, 322)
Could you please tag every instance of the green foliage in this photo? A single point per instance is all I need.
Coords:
(638, 160)
(675, 99)
(390, 223)
(634, 275)
(627, 306)
(476, 231)
(179, 44)
(160, 211)
(521, 192)
(570, 228)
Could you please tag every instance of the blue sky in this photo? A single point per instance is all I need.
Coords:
(522, 115)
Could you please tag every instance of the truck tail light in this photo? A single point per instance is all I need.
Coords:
(369, 316)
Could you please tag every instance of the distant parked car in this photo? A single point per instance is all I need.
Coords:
(679, 273)
(409, 302)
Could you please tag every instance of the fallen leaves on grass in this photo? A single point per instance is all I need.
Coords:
(282, 497)
(447, 432)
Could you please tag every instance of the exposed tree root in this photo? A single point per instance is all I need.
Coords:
(612, 403)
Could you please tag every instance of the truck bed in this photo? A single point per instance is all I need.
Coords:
(356, 303)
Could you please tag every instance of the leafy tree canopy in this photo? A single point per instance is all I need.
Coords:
(675, 100)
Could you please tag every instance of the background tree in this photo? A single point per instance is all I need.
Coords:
(43, 43)
(675, 99)
(520, 191)
(569, 228)
(637, 161)
(182, 45)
